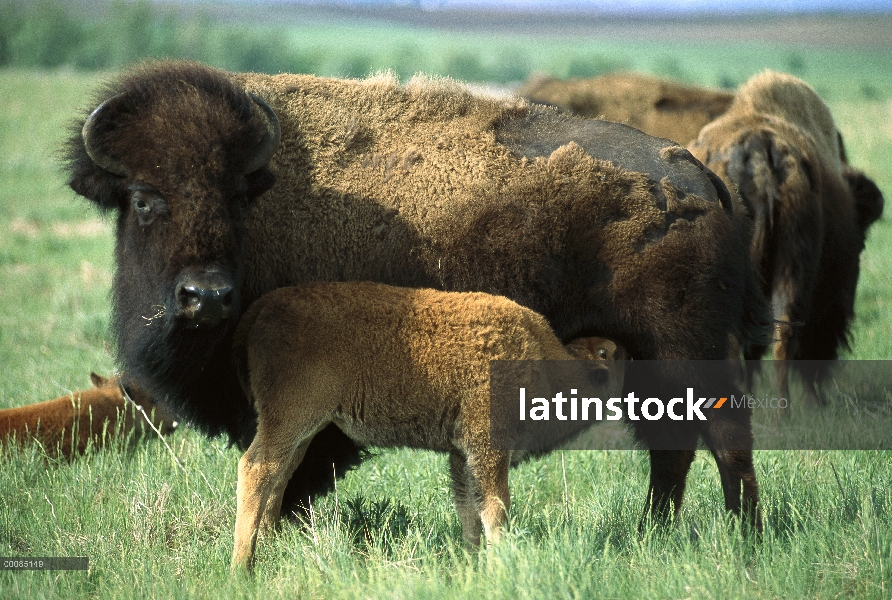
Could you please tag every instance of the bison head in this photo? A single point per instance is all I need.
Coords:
(178, 152)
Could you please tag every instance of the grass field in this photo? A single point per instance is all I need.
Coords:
(155, 530)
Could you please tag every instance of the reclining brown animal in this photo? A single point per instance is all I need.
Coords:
(390, 367)
(68, 424)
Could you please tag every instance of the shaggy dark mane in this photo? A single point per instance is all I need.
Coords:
(156, 82)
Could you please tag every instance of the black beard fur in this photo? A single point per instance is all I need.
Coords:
(192, 370)
(189, 368)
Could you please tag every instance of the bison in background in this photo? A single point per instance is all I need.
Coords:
(774, 142)
(778, 146)
(67, 425)
(658, 107)
(227, 186)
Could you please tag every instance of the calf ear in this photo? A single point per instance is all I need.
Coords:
(868, 197)
(98, 380)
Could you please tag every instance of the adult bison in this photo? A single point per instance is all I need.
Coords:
(602, 229)
(778, 146)
(656, 106)
(775, 142)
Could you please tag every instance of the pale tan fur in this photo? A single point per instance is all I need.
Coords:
(791, 101)
(67, 425)
(390, 367)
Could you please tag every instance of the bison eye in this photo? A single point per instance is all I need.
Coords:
(602, 353)
(148, 206)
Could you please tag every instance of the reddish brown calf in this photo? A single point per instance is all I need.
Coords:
(65, 426)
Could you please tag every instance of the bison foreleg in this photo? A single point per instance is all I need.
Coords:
(668, 474)
(730, 442)
(486, 484)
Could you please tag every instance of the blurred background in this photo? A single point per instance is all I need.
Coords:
(842, 47)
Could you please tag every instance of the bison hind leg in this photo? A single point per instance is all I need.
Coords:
(330, 455)
(730, 442)
(263, 473)
(466, 495)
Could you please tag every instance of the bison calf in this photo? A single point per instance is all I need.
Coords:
(389, 367)
(67, 424)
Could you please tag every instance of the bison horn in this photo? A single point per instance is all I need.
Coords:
(93, 146)
(270, 141)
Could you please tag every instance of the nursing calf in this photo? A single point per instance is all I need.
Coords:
(389, 367)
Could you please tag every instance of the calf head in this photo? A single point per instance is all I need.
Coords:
(178, 153)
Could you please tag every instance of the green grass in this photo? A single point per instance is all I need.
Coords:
(153, 530)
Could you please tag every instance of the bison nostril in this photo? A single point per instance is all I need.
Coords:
(204, 304)
(188, 297)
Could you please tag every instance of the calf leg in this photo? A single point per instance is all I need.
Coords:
(489, 472)
(263, 473)
(465, 500)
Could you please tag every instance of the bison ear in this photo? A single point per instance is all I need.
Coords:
(90, 181)
(868, 197)
(95, 172)
(259, 182)
(98, 380)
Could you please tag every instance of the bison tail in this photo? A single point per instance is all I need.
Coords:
(756, 324)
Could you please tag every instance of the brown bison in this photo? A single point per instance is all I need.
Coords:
(227, 186)
(389, 367)
(658, 107)
(68, 424)
(778, 146)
